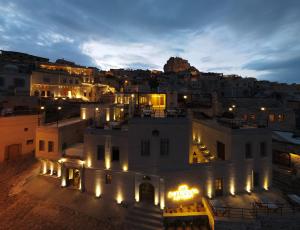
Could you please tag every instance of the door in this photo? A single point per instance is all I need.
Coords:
(13, 151)
(219, 187)
(146, 191)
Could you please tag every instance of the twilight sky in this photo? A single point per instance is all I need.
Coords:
(255, 38)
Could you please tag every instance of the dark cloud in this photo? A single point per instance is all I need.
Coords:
(266, 28)
(278, 70)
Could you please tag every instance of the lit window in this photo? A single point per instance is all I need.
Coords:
(280, 117)
(271, 117)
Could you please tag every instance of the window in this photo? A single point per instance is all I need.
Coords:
(263, 149)
(19, 82)
(71, 81)
(221, 150)
(41, 145)
(219, 187)
(248, 151)
(164, 147)
(64, 80)
(2, 81)
(280, 117)
(252, 116)
(115, 154)
(145, 147)
(108, 179)
(100, 152)
(50, 146)
(29, 142)
(271, 117)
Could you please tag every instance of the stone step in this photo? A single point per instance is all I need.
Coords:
(146, 221)
(148, 208)
(135, 212)
(141, 226)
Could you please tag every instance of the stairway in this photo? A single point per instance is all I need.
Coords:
(286, 182)
(144, 217)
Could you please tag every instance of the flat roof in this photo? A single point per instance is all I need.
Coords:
(63, 123)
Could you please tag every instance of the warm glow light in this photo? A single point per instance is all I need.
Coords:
(132, 95)
(262, 108)
(89, 162)
(125, 168)
(58, 170)
(156, 199)
(185, 96)
(122, 109)
(107, 115)
(97, 109)
(83, 113)
(162, 202)
(233, 106)
(266, 184)
(232, 190)
(59, 107)
(107, 164)
(183, 193)
(44, 167)
(230, 109)
(62, 160)
(248, 186)
(119, 198)
(51, 168)
(209, 191)
(63, 182)
(137, 195)
(42, 107)
(98, 190)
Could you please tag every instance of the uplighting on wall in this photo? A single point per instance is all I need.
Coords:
(98, 190)
(119, 198)
(232, 189)
(125, 168)
(266, 183)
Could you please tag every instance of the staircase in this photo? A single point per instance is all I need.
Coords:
(286, 182)
(144, 217)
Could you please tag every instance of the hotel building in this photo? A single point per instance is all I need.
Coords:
(164, 159)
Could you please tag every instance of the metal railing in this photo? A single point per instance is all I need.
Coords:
(255, 212)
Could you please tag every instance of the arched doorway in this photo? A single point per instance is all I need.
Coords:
(146, 191)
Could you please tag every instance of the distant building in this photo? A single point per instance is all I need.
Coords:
(17, 136)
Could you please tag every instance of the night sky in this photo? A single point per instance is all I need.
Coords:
(255, 38)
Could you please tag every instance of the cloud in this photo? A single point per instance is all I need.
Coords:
(226, 36)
